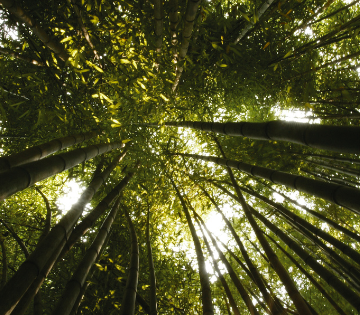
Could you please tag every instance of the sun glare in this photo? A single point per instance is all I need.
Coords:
(71, 194)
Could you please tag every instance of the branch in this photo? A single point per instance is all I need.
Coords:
(8, 52)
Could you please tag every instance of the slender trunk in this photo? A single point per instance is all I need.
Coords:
(30, 269)
(332, 280)
(204, 277)
(343, 139)
(333, 158)
(83, 28)
(251, 24)
(220, 276)
(287, 214)
(91, 218)
(4, 263)
(158, 14)
(77, 281)
(232, 274)
(35, 28)
(274, 306)
(129, 298)
(174, 21)
(40, 151)
(21, 177)
(190, 15)
(337, 168)
(153, 301)
(317, 215)
(341, 195)
(330, 179)
(310, 277)
(17, 238)
(290, 287)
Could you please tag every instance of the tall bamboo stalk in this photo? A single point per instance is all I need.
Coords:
(229, 295)
(4, 262)
(343, 139)
(208, 308)
(129, 298)
(234, 277)
(49, 247)
(310, 277)
(341, 195)
(77, 281)
(21, 177)
(40, 151)
(57, 48)
(332, 280)
(153, 300)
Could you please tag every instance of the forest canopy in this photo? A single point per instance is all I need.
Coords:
(213, 147)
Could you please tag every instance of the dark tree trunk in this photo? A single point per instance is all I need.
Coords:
(204, 277)
(129, 298)
(21, 177)
(77, 281)
(40, 151)
(341, 139)
(341, 195)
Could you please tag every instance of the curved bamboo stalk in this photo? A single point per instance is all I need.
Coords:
(343, 139)
(332, 280)
(310, 277)
(330, 179)
(35, 263)
(129, 298)
(341, 195)
(336, 168)
(220, 276)
(40, 151)
(332, 158)
(77, 281)
(21, 177)
(232, 274)
(208, 308)
(57, 48)
(153, 302)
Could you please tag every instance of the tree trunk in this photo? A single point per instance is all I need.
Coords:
(290, 287)
(317, 215)
(310, 277)
(332, 158)
(30, 269)
(129, 298)
(190, 15)
(341, 195)
(232, 274)
(288, 215)
(343, 139)
(153, 301)
(208, 308)
(77, 281)
(21, 177)
(158, 14)
(91, 218)
(250, 25)
(332, 280)
(35, 28)
(336, 168)
(220, 276)
(274, 306)
(330, 179)
(40, 151)
(4, 263)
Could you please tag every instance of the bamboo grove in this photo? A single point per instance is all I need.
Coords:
(198, 193)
